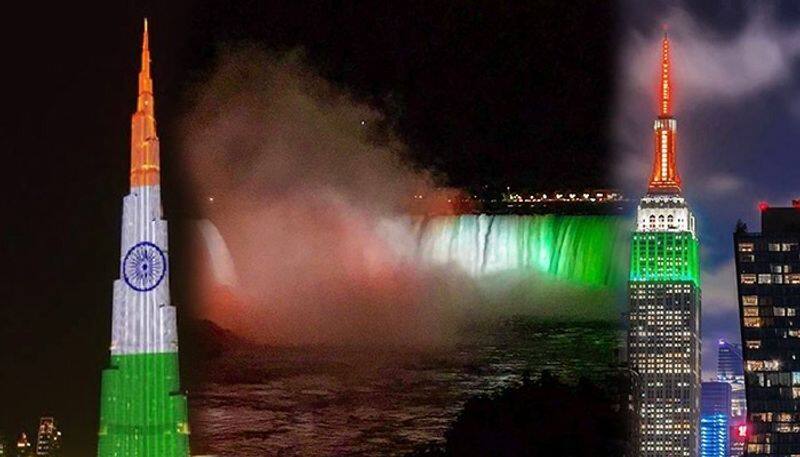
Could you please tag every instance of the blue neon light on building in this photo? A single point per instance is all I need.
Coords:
(714, 435)
(715, 409)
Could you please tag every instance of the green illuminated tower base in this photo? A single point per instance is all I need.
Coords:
(142, 411)
(664, 335)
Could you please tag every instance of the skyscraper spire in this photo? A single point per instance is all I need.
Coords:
(664, 178)
(666, 83)
(145, 160)
(145, 101)
(143, 412)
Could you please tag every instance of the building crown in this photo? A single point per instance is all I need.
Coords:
(145, 159)
(664, 178)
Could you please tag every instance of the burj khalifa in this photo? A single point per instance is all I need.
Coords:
(143, 412)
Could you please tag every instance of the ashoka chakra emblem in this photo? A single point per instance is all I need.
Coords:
(144, 266)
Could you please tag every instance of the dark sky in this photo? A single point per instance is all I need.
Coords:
(503, 93)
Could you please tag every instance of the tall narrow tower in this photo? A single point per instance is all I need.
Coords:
(664, 287)
(143, 412)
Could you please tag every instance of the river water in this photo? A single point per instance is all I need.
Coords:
(347, 401)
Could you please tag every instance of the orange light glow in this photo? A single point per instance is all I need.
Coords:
(666, 83)
(145, 160)
(664, 176)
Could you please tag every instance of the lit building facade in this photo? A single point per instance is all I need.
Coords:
(48, 438)
(664, 292)
(143, 411)
(768, 278)
(715, 414)
(730, 369)
(23, 447)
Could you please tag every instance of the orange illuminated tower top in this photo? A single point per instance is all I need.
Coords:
(145, 161)
(664, 178)
(666, 82)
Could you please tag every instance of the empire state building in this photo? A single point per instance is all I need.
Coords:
(664, 293)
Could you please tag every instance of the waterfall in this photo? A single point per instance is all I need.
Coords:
(588, 250)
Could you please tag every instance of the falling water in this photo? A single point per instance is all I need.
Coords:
(321, 400)
(586, 250)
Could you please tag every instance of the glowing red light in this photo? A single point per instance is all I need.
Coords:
(763, 206)
(743, 430)
(664, 175)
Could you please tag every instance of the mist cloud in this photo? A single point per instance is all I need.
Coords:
(300, 183)
(309, 219)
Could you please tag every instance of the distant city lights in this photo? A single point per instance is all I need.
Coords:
(594, 195)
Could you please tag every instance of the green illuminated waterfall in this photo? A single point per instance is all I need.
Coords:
(587, 250)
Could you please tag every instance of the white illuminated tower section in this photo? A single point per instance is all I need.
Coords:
(143, 411)
(664, 287)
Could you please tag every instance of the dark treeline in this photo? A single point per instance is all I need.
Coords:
(545, 417)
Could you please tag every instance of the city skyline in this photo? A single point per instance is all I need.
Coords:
(483, 100)
(738, 122)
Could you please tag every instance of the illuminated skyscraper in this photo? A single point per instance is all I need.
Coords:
(48, 439)
(730, 369)
(715, 414)
(143, 411)
(664, 286)
(23, 446)
(768, 277)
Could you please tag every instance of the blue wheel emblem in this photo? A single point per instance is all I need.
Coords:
(144, 266)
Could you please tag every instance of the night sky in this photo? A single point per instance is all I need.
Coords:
(737, 91)
(494, 93)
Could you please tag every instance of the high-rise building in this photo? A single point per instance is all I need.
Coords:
(738, 434)
(715, 413)
(143, 411)
(48, 439)
(23, 446)
(768, 278)
(730, 369)
(664, 288)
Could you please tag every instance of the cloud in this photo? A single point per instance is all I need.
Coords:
(711, 67)
(719, 290)
(308, 192)
(710, 70)
(722, 184)
(297, 177)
